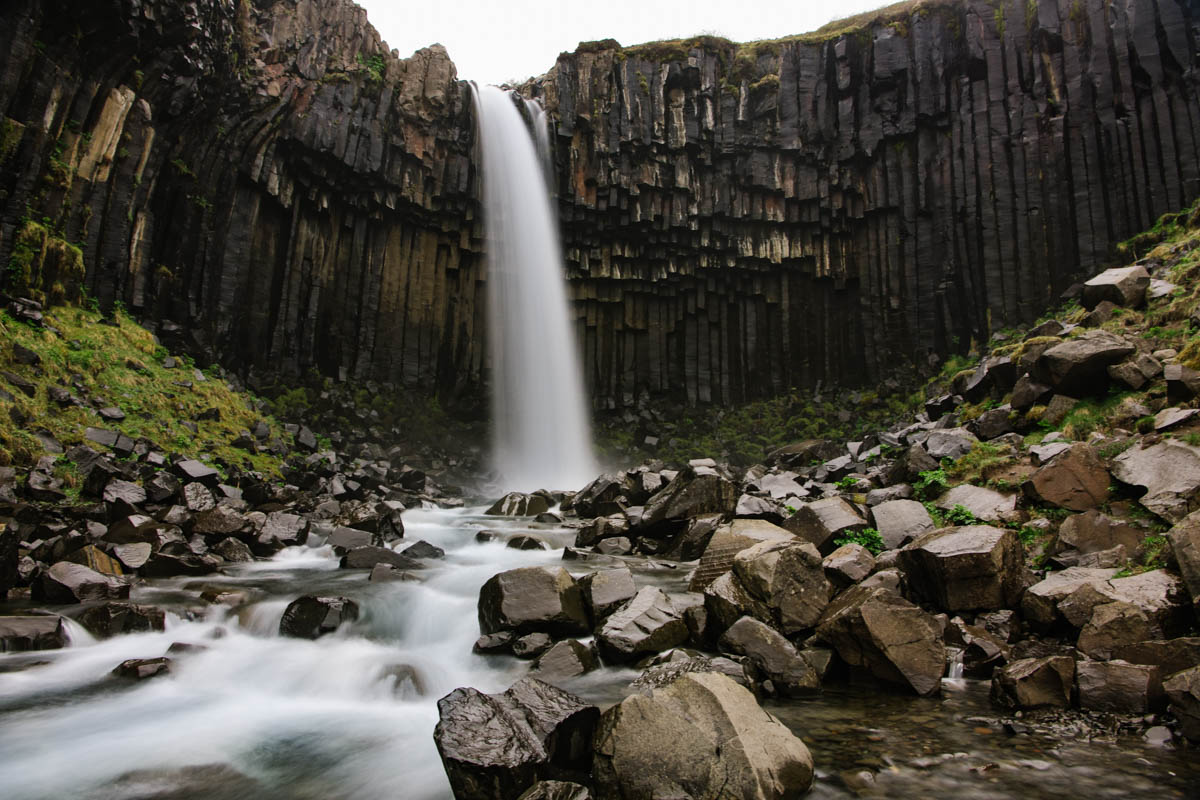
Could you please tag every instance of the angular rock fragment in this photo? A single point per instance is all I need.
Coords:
(647, 623)
(1074, 479)
(822, 521)
(901, 521)
(1035, 683)
(532, 599)
(1118, 686)
(971, 568)
(773, 657)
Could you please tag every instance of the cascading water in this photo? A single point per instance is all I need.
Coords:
(542, 432)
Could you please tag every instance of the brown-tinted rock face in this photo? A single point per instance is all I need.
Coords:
(736, 221)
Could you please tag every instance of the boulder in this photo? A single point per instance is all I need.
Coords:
(1169, 655)
(74, 583)
(1079, 366)
(232, 550)
(285, 530)
(647, 623)
(786, 583)
(952, 443)
(1111, 626)
(822, 521)
(694, 491)
(1170, 473)
(565, 660)
(114, 619)
(878, 630)
(727, 542)
(189, 470)
(1183, 691)
(1040, 602)
(1035, 683)
(496, 746)
(848, 565)
(605, 591)
(607, 494)
(985, 505)
(368, 557)
(556, 790)
(1074, 479)
(773, 657)
(971, 568)
(140, 669)
(702, 736)
(725, 601)
(1118, 686)
(1027, 393)
(423, 549)
(1093, 532)
(531, 645)
(532, 599)
(124, 496)
(1185, 545)
(901, 521)
(19, 634)
(310, 617)
(218, 522)
(1122, 286)
(518, 504)
(601, 528)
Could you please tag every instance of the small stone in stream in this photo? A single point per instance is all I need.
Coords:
(1183, 691)
(485, 536)
(499, 642)
(525, 541)
(519, 504)
(343, 539)
(383, 573)
(423, 549)
(233, 551)
(310, 617)
(143, 668)
(20, 634)
(548, 518)
(531, 645)
(184, 648)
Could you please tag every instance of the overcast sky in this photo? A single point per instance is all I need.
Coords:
(493, 41)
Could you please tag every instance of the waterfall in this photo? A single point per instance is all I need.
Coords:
(542, 435)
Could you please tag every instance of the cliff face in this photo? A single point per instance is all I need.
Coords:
(263, 173)
(738, 220)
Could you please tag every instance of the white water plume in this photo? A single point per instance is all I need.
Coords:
(542, 431)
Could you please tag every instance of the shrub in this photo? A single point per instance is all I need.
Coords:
(867, 537)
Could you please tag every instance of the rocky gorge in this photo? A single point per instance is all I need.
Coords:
(213, 593)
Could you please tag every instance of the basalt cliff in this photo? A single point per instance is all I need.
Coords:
(264, 179)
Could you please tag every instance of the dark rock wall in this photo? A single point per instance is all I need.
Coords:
(741, 221)
(737, 220)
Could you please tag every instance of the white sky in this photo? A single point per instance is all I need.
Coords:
(498, 40)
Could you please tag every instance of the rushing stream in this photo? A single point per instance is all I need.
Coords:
(251, 714)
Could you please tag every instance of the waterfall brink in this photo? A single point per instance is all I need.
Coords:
(540, 418)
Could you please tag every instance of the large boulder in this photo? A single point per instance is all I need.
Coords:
(703, 737)
(984, 504)
(822, 521)
(788, 579)
(694, 491)
(773, 657)
(1079, 366)
(1123, 286)
(45, 632)
(532, 599)
(848, 564)
(496, 746)
(518, 504)
(647, 623)
(1035, 683)
(1185, 545)
(878, 630)
(1118, 686)
(1170, 473)
(901, 521)
(74, 583)
(1072, 596)
(1169, 655)
(1113, 625)
(971, 568)
(1040, 602)
(311, 617)
(607, 494)
(727, 542)
(605, 591)
(112, 619)
(1074, 479)
(1093, 532)
(556, 790)
(368, 557)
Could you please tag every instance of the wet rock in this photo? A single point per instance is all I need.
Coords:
(822, 521)
(647, 623)
(1170, 473)
(96, 559)
(311, 617)
(74, 583)
(140, 669)
(497, 746)
(982, 651)
(383, 573)
(1074, 479)
(848, 565)
(343, 539)
(232, 550)
(499, 642)
(368, 557)
(901, 521)
(984, 504)
(114, 619)
(971, 568)
(425, 550)
(1118, 686)
(605, 495)
(20, 634)
(519, 504)
(525, 541)
(282, 529)
(725, 601)
(787, 583)
(565, 660)
(556, 790)
(1123, 286)
(605, 591)
(878, 630)
(1079, 366)
(702, 736)
(694, 491)
(219, 522)
(727, 542)
(1035, 683)
(773, 657)
(531, 599)
(531, 645)
(1183, 691)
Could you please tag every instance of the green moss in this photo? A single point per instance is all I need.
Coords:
(11, 132)
(43, 265)
(598, 46)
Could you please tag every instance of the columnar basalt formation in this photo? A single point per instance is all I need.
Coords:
(738, 219)
(743, 219)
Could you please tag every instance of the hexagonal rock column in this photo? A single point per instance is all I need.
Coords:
(976, 567)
